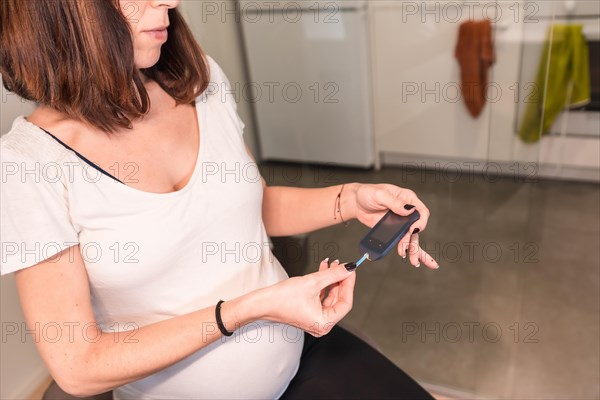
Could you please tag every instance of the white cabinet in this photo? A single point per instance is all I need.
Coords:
(309, 69)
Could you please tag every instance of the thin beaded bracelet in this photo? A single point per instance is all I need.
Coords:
(337, 206)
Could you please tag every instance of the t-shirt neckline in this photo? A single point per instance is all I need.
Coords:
(201, 132)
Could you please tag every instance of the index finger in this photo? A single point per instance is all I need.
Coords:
(421, 223)
(398, 205)
(345, 295)
(409, 198)
(332, 275)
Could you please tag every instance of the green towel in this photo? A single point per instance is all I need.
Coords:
(568, 85)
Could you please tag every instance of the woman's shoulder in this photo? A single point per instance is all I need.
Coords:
(217, 74)
(213, 66)
(27, 143)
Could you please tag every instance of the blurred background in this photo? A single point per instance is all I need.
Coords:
(489, 111)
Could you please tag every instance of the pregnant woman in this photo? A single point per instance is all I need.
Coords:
(136, 231)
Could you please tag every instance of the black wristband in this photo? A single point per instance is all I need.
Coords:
(222, 328)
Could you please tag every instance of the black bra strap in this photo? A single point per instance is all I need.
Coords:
(82, 157)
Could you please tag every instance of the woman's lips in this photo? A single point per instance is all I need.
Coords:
(158, 34)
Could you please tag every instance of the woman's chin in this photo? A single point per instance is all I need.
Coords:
(147, 61)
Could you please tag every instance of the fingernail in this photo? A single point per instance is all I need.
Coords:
(417, 230)
(437, 267)
(418, 265)
(326, 260)
(350, 267)
(337, 261)
(409, 207)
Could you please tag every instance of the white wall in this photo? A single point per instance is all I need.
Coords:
(21, 368)
(11, 107)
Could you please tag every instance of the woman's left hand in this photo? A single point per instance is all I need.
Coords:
(372, 202)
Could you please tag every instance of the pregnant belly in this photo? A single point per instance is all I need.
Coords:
(258, 362)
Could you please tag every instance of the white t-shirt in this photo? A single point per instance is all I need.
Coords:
(151, 257)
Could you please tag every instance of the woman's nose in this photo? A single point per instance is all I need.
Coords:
(168, 3)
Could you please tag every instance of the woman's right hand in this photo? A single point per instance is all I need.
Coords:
(314, 302)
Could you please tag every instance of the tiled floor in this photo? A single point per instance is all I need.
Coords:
(514, 310)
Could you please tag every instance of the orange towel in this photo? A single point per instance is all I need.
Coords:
(475, 54)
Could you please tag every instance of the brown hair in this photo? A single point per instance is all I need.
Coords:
(77, 57)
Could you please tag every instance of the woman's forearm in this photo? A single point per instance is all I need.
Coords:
(292, 211)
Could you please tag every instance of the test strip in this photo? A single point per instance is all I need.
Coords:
(362, 260)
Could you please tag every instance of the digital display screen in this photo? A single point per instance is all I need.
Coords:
(390, 226)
